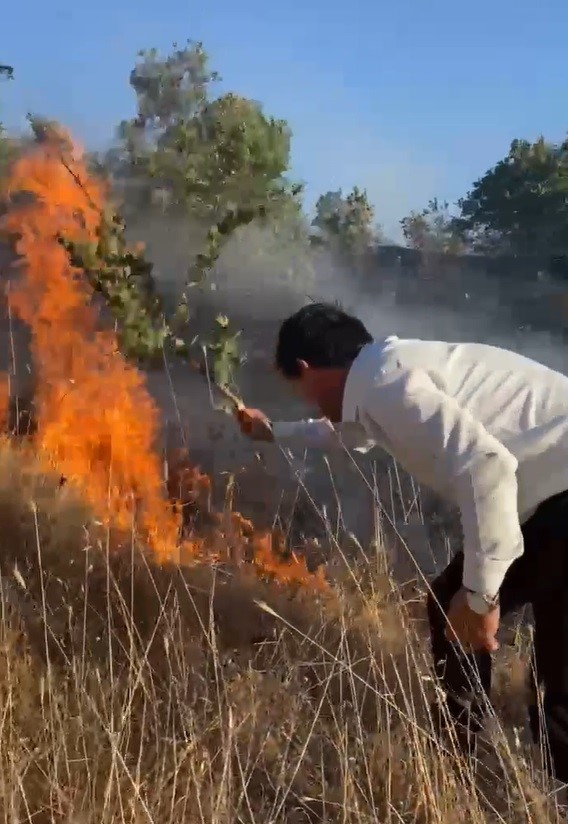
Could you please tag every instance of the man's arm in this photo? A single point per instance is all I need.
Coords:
(430, 433)
(313, 434)
(321, 434)
(318, 434)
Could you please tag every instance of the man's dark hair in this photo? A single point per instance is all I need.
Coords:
(321, 334)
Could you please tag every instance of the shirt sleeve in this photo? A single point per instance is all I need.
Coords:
(321, 434)
(433, 436)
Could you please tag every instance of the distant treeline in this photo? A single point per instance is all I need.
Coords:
(526, 267)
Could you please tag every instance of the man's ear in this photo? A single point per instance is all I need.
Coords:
(303, 367)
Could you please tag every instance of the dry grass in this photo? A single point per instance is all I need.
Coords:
(130, 693)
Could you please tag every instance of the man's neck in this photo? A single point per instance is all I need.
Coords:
(331, 393)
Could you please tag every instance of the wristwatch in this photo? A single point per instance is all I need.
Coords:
(481, 604)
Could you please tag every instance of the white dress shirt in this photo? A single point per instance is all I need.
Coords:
(484, 427)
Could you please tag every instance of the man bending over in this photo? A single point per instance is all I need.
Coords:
(488, 430)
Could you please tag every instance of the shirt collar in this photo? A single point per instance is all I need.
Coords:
(361, 373)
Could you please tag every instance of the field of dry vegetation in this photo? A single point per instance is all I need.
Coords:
(133, 692)
(162, 668)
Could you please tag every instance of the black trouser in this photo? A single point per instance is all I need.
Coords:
(540, 578)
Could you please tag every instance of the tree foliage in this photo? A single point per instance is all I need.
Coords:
(220, 160)
(348, 221)
(123, 276)
(520, 205)
(432, 230)
(225, 352)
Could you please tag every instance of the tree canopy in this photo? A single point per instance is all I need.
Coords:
(520, 205)
(432, 230)
(218, 159)
(198, 151)
(348, 221)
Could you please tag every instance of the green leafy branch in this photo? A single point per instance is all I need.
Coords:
(123, 277)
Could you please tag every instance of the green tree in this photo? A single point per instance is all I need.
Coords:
(348, 222)
(432, 230)
(520, 206)
(221, 160)
(217, 160)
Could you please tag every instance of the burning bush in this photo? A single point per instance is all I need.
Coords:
(96, 423)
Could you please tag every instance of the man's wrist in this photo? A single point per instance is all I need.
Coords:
(481, 603)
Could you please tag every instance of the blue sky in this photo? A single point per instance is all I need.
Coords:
(410, 100)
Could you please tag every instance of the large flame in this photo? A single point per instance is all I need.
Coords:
(96, 422)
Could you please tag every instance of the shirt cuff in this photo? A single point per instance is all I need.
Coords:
(306, 434)
(485, 575)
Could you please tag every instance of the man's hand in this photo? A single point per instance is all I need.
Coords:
(476, 633)
(254, 424)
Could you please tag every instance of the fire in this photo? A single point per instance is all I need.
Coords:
(4, 400)
(96, 422)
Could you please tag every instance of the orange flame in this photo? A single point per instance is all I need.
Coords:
(96, 422)
(4, 400)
